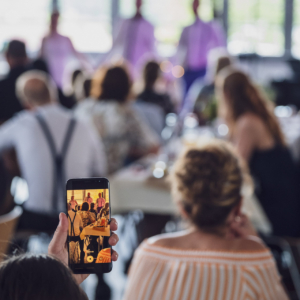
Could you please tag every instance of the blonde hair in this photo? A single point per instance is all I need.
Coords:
(207, 182)
(243, 97)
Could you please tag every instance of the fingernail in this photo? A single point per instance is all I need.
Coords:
(59, 219)
(113, 240)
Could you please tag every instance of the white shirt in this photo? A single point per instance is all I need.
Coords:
(85, 156)
(196, 41)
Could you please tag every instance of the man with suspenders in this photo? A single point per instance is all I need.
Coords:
(51, 147)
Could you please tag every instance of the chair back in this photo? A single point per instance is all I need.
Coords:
(8, 225)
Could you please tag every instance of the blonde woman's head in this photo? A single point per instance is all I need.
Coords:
(206, 182)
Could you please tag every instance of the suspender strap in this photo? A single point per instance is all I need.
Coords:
(72, 224)
(59, 177)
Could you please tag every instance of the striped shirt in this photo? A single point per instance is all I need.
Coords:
(171, 274)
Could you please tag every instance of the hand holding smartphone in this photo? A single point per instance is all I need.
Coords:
(89, 216)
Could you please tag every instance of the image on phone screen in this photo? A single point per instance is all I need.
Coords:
(89, 227)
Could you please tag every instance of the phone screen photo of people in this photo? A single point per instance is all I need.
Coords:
(89, 229)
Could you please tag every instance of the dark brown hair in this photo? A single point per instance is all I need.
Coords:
(115, 85)
(30, 277)
(16, 49)
(243, 97)
(207, 182)
(85, 206)
(151, 73)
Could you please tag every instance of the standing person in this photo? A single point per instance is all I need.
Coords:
(256, 133)
(104, 211)
(57, 50)
(135, 38)
(17, 60)
(88, 199)
(100, 202)
(51, 147)
(220, 256)
(75, 228)
(194, 45)
(73, 203)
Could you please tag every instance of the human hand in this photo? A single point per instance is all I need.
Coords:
(58, 245)
(242, 227)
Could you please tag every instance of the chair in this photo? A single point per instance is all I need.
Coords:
(286, 264)
(8, 224)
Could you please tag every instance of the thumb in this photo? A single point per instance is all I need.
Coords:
(60, 235)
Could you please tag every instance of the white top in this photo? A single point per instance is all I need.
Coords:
(85, 156)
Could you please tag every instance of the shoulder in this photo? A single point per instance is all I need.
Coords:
(248, 122)
(166, 239)
(250, 245)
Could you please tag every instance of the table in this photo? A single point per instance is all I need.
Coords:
(90, 230)
(132, 189)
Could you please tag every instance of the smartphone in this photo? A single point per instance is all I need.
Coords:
(89, 212)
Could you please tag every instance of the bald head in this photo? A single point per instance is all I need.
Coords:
(34, 88)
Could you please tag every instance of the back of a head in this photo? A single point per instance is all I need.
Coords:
(85, 206)
(30, 277)
(115, 85)
(151, 73)
(16, 49)
(35, 88)
(207, 182)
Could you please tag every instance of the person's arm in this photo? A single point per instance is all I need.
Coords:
(58, 244)
(182, 48)
(244, 138)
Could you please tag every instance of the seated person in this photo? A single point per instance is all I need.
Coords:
(100, 202)
(104, 212)
(93, 211)
(220, 254)
(86, 216)
(149, 95)
(256, 132)
(45, 276)
(125, 136)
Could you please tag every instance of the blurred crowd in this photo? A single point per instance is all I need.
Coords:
(118, 113)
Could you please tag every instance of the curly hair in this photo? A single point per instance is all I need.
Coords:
(207, 181)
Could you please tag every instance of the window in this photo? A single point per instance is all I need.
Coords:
(87, 23)
(256, 26)
(296, 30)
(169, 17)
(26, 20)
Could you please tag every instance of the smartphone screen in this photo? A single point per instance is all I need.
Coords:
(89, 212)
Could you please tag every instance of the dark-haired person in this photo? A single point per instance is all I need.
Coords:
(125, 136)
(93, 211)
(86, 215)
(17, 60)
(45, 277)
(149, 95)
(255, 131)
(219, 256)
